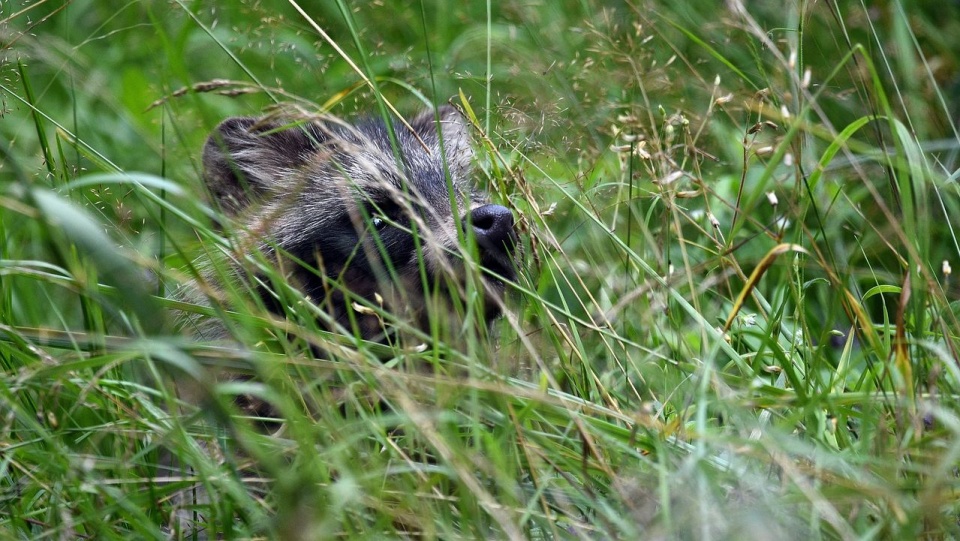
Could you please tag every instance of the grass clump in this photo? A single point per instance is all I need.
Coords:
(735, 317)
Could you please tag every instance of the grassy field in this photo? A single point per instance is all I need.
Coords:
(735, 318)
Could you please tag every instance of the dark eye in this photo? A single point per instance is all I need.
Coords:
(381, 214)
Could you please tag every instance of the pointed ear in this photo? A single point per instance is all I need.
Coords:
(454, 132)
(247, 159)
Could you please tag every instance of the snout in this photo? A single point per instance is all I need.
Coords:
(496, 239)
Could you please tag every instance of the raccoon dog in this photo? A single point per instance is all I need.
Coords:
(354, 217)
(351, 214)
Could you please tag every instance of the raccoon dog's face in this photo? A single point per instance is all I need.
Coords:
(347, 213)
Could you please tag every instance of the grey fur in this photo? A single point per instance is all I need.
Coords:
(309, 186)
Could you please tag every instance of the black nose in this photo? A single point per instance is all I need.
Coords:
(493, 229)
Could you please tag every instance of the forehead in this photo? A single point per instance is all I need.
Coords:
(369, 162)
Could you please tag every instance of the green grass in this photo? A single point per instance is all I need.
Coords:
(736, 317)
